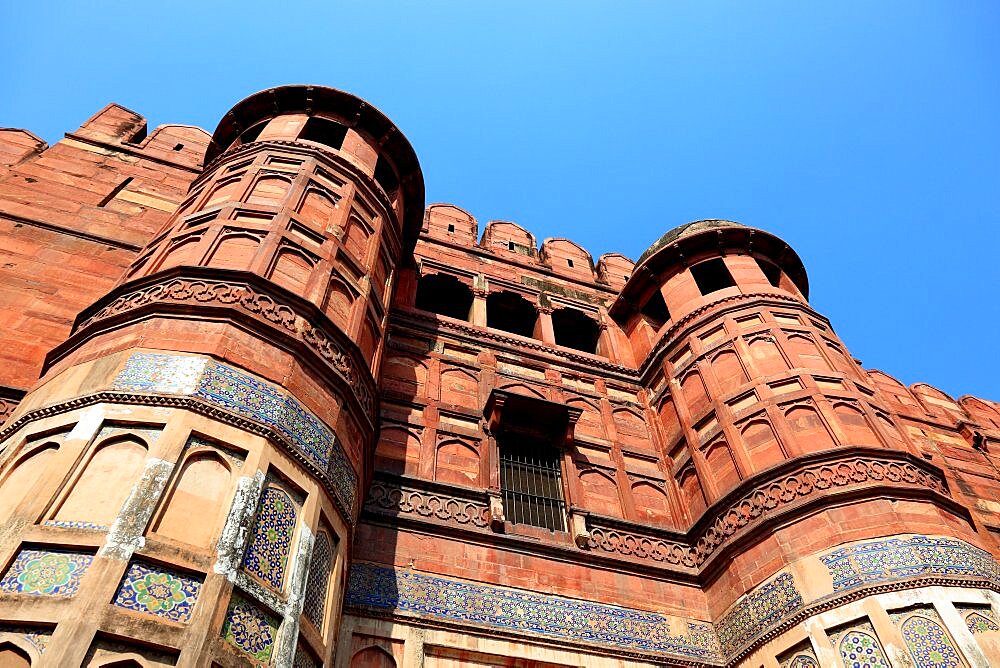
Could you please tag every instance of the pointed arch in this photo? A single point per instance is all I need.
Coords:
(373, 657)
(651, 503)
(600, 493)
(728, 371)
(398, 450)
(269, 190)
(236, 250)
(201, 490)
(22, 476)
(761, 444)
(459, 386)
(854, 424)
(270, 544)
(766, 356)
(292, 269)
(723, 467)
(457, 461)
(105, 481)
(810, 431)
(694, 393)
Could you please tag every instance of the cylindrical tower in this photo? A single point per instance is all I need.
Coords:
(800, 488)
(182, 483)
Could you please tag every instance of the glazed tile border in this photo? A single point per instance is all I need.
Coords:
(247, 396)
(880, 561)
(378, 588)
(760, 612)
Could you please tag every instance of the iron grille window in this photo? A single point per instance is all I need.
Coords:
(531, 485)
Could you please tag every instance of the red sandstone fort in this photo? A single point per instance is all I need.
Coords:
(263, 406)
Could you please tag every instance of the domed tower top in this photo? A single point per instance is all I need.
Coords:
(698, 263)
(342, 124)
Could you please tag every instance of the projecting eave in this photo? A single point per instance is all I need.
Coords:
(693, 242)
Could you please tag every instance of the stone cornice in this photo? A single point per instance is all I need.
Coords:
(278, 315)
(773, 498)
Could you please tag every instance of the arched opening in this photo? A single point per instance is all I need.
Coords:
(771, 271)
(574, 329)
(712, 276)
(510, 312)
(324, 131)
(444, 295)
(655, 312)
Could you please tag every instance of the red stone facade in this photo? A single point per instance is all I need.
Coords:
(466, 447)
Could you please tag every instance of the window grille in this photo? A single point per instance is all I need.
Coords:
(531, 485)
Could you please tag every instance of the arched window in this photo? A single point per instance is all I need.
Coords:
(511, 312)
(445, 295)
(573, 329)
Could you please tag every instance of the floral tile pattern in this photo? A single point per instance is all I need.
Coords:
(250, 629)
(800, 656)
(859, 647)
(36, 637)
(245, 395)
(762, 607)
(154, 590)
(979, 619)
(46, 573)
(925, 637)
(894, 558)
(385, 589)
(266, 555)
(314, 605)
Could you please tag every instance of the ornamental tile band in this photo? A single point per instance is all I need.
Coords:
(247, 396)
(894, 558)
(46, 573)
(762, 608)
(250, 629)
(75, 524)
(384, 589)
(153, 590)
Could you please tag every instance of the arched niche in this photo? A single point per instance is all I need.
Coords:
(651, 503)
(600, 494)
(373, 657)
(201, 491)
(457, 462)
(22, 476)
(106, 479)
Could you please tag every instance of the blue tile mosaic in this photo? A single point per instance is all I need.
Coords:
(928, 642)
(154, 590)
(860, 649)
(384, 589)
(250, 629)
(267, 553)
(46, 573)
(895, 558)
(245, 395)
(761, 608)
(979, 619)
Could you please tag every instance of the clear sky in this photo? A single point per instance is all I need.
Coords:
(866, 134)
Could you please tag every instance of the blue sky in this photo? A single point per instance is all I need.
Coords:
(867, 135)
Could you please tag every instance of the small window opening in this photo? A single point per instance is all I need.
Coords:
(511, 312)
(569, 262)
(445, 295)
(626, 277)
(574, 329)
(531, 482)
(655, 312)
(451, 227)
(771, 271)
(250, 134)
(386, 177)
(178, 147)
(114, 193)
(712, 276)
(139, 136)
(324, 131)
(510, 245)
